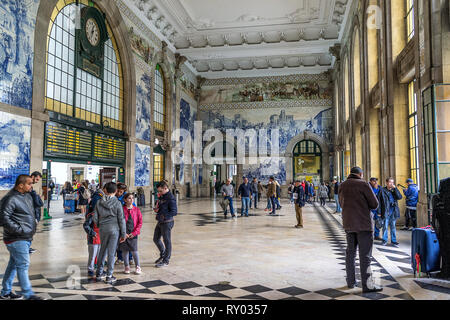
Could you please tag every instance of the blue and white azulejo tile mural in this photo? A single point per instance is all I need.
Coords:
(17, 24)
(142, 165)
(15, 134)
(143, 102)
(266, 167)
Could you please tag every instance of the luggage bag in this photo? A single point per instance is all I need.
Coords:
(425, 256)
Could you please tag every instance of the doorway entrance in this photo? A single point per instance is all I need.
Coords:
(307, 158)
(158, 165)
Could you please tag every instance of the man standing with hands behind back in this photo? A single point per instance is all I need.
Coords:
(357, 199)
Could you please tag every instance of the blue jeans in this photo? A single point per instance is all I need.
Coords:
(254, 199)
(269, 203)
(277, 203)
(376, 230)
(245, 204)
(230, 199)
(390, 222)
(336, 199)
(19, 261)
(272, 201)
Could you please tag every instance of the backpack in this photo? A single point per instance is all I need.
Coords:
(86, 194)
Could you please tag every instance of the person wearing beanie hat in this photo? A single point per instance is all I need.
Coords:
(357, 199)
(412, 196)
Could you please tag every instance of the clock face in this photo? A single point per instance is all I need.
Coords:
(92, 32)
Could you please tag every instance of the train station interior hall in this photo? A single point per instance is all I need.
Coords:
(197, 92)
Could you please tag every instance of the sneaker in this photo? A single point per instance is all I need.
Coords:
(160, 259)
(395, 244)
(384, 243)
(410, 229)
(404, 228)
(100, 277)
(90, 274)
(110, 280)
(162, 264)
(34, 297)
(138, 270)
(353, 285)
(127, 270)
(375, 289)
(32, 250)
(11, 296)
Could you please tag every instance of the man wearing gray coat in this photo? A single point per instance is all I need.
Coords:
(109, 217)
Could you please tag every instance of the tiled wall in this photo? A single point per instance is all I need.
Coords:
(142, 165)
(17, 23)
(14, 148)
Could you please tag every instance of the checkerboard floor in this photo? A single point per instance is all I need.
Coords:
(180, 282)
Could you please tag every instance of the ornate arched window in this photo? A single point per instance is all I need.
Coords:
(159, 114)
(76, 86)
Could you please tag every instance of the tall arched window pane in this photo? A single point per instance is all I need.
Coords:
(72, 91)
(159, 111)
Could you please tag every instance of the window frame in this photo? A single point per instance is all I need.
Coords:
(85, 100)
(160, 127)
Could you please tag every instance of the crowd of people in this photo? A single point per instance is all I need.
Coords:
(112, 223)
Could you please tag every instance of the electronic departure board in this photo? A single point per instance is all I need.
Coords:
(65, 142)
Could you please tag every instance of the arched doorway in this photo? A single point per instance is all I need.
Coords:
(307, 161)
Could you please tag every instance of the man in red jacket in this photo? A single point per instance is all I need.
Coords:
(357, 200)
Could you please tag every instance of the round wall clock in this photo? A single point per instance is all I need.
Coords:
(92, 32)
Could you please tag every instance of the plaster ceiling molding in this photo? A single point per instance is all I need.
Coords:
(161, 22)
(277, 62)
(198, 41)
(216, 66)
(308, 11)
(201, 66)
(167, 30)
(292, 35)
(231, 65)
(261, 63)
(249, 18)
(312, 34)
(203, 23)
(172, 35)
(331, 32)
(181, 42)
(246, 64)
(272, 36)
(141, 4)
(153, 14)
(309, 61)
(216, 40)
(293, 62)
(234, 39)
(325, 60)
(253, 37)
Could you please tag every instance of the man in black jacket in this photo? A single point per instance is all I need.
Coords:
(388, 210)
(37, 200)
(19, 226)
(166, 209)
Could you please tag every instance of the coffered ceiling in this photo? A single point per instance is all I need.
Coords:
(236, 38)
